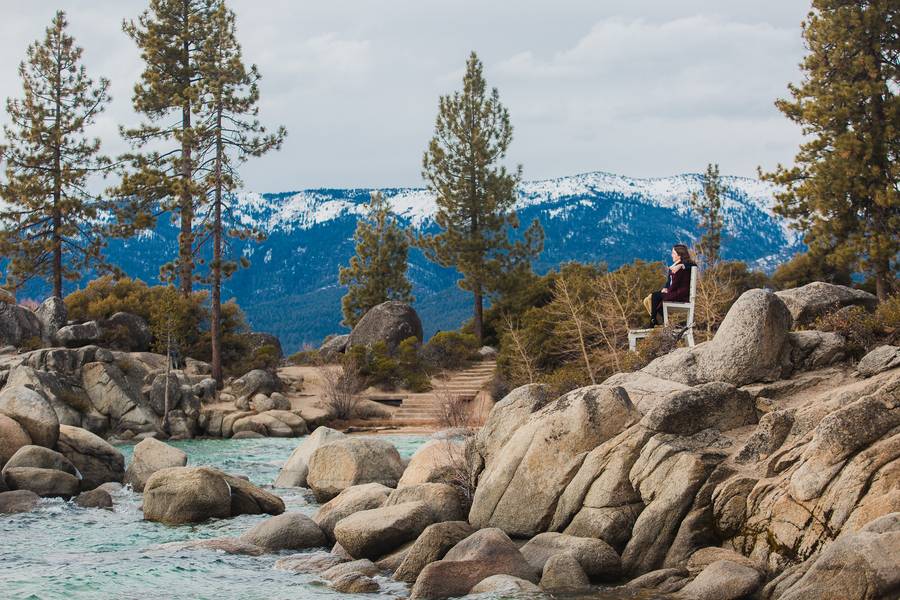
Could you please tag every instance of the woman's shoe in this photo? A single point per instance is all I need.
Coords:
(652, 325)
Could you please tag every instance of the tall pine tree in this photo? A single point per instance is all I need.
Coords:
(172, 36)
(228, 112)
(475, 192)
(377, 273)
(47, 221)
(709, 210)
(843, 190)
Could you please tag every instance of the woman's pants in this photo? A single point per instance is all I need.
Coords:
(653, 304)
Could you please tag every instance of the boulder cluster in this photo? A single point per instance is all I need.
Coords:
(759, 464)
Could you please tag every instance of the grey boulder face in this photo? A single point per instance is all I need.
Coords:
(484, 553)
(17, 501)
(376, 532)
(288, 531)
(334, 345)
(520, 488)
(296, 468)
(18, 325)
(718, 405)
(352, 500)
(597, 558)
(811, 301)
(130, 332)
(12, 437)
(256, 340)
(344, 463)
(724, 580)
(33, 412)
(53, 316)
(80, 334)
(150, 456)
(751, 345)
(879, 360)
(254, 382)
(40, 458)
(96, 498)
(390, 322)
(431, 546)
(47, 483)
(96, 460)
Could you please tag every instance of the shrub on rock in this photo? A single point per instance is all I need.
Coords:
(347, 462)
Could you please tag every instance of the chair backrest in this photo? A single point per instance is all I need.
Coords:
(695, 273)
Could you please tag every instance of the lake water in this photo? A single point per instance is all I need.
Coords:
(63, 552)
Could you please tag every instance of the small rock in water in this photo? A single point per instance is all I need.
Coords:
(18, 501)
(96, 498)
(247, 435)
(311, 562)
(354, 583)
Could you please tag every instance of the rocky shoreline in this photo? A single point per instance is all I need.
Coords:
(761, 464)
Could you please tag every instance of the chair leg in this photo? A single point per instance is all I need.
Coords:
(665, 315)
(689, 336)
(632, 343)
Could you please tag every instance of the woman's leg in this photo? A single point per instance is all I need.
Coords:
(656, 300)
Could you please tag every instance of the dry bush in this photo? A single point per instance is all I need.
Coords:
(716, 292)
(573, 330)
(339, 390)
(455, 467)
(453, 411)
(660, 342)
(521, 361)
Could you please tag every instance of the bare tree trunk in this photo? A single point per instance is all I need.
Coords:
(57, 186)
(166, 400)
(478, 325)
(216, 325)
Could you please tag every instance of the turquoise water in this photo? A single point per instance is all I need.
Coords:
(63, 552)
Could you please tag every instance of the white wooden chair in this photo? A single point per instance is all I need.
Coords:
(636, 334)
(686, 306)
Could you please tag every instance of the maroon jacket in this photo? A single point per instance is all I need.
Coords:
(679, 285)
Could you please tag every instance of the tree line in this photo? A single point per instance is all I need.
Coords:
(199, 103)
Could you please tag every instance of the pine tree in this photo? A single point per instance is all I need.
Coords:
(377, 273)
(228, 113)
(709, 210)
(843, 189)
(171, 35)
(47, 224)
(475, 193)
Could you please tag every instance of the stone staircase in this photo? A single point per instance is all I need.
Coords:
(464, 384)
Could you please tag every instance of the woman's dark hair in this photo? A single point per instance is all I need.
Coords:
(683, 253)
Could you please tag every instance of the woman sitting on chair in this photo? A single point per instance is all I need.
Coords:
(678, 284)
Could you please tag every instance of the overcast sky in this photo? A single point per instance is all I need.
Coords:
(645, 88)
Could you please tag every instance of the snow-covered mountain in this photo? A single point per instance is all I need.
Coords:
(291, 288)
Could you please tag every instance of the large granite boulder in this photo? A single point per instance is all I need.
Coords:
(78, 335)
(351, 461)
(879, 360)
(718, 405)
(724, 580)
(114, 395)
(296, 467)
(438, 461)
(564, 573)
(149, 456)
(53, 315)
(39, 457)
(12, 437)
(32, 411)
(596, 557)
(46, 483)
(505, 585)
(519, 489)
(18, 326)
(376, 532)
(334, 345)
(254, 382)
(484, 553)
(390, 322)
(127, 332)
(18, 501)
(430, 546)
(861, 565)
(288, 531)
(442, 499)
(97, 460)
(751, 345)
(813, 300)
(352, 500)
(67, 399)
(256, 340)
(508, 415)
(193, 494)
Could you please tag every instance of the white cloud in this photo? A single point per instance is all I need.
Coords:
(644, 88)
